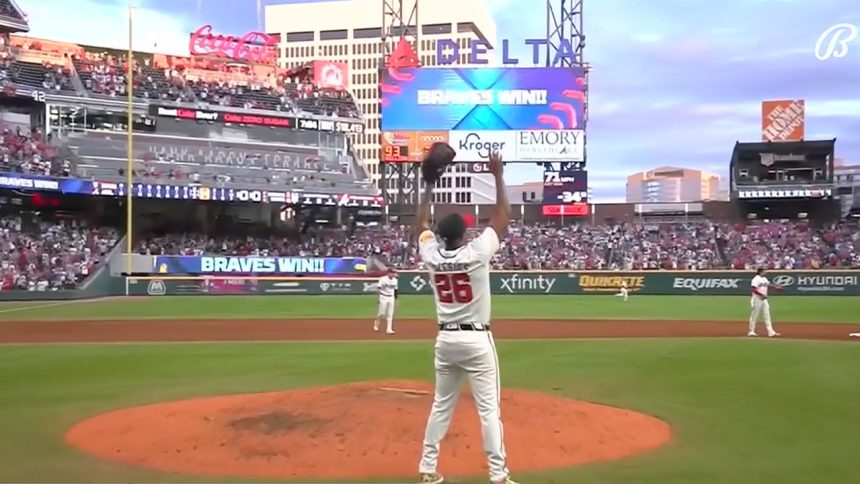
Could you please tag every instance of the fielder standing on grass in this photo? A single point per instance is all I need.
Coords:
(760, 305)
(623, 291)
(459, 271)
(387, 288)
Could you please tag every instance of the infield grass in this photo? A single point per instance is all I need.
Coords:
(806, 309)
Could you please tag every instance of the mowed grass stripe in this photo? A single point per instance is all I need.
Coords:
(691, 308)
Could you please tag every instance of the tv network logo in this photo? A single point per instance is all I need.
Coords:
(833, 42)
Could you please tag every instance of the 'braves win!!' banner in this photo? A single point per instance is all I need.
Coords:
(166, 264)
(483, 99)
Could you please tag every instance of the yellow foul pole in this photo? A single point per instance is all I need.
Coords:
(129, 168)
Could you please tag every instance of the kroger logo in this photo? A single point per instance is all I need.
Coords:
(478, 145)
(783, 280)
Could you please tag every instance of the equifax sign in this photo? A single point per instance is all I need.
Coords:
(253, 47)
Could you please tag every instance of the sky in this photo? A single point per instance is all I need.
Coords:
(673, 82)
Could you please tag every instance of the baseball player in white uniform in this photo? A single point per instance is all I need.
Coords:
(623, 291)
(760, 305)
(460, 275)
(387, 288)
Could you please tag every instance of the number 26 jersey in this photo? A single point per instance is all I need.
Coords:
(460, 277)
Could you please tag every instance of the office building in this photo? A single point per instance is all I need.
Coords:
(349, 31)
(672, 185)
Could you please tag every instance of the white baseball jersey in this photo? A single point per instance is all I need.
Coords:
(760, 283)
(387, 286)
(460, 277)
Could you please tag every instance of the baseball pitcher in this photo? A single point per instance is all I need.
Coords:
(387, 288)
(460, 274)
(760, 304)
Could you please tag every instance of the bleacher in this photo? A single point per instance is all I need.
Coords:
(160, 159)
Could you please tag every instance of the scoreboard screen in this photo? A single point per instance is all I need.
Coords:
(395, 154)
(565, 193)
(409, 146)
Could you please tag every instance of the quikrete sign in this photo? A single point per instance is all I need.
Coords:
(598, 283)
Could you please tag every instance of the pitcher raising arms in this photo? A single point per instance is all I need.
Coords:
(460, 275)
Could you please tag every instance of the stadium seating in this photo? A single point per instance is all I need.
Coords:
(217, 163)
(57, 66)
(43, 255)
(25, 152)
(679, 246)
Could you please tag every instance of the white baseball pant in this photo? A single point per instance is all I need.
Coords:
(760, 308)
(469, 354)
(386, 311)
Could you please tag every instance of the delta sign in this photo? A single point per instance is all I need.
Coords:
(448, 52)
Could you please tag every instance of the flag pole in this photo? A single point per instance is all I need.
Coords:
(129, 168)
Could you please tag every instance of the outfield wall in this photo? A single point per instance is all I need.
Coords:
(797, 283)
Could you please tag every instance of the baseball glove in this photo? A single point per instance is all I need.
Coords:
(437, 159)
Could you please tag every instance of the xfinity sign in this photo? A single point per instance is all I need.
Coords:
(551, 145)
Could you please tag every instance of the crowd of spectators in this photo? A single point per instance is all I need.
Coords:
(225, 84)
(47, 255)
(40, 254)
(649, 246)
(790, 245)
(23, 151)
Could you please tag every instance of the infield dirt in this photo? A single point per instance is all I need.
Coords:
(357, 431)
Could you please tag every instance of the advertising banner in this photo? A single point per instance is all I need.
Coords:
(550, 145)
(479, 145)
(783, 120)
(185, 192)
(409, 146)
(251, 119)
(532, 145)
(483, 99)
(691, 283)
(331, 75)
(192, 265)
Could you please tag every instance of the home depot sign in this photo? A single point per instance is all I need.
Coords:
(782, 120)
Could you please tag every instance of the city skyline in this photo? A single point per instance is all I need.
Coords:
(662, 92)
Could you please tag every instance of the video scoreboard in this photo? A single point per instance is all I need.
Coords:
(565, 193)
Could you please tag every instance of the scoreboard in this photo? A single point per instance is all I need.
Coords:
(565, 193)
(409, 146)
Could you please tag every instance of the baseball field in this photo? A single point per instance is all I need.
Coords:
(657, 389)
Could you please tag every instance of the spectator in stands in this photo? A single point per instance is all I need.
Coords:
(664, 246)
(25, 152)
(40, 255)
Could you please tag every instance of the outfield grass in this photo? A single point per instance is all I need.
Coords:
(715, 308)
(743, 411)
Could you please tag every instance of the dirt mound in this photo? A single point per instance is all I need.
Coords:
(357, 431)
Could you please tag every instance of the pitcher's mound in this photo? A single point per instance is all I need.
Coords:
(357, 431)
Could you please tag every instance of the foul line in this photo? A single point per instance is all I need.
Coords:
(40, 306)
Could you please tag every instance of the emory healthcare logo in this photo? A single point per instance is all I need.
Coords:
(834, 41)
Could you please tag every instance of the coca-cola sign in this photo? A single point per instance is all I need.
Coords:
(253, 47)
